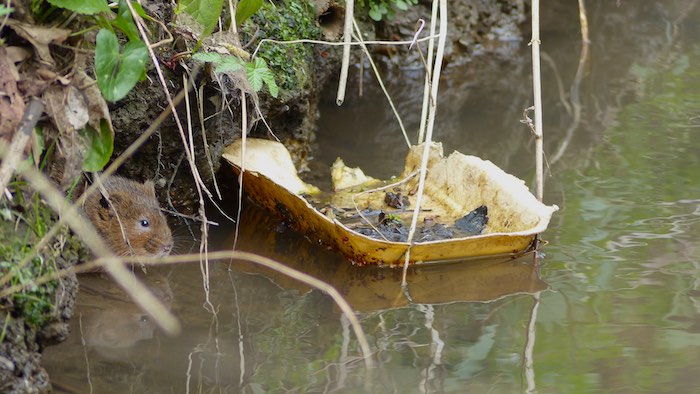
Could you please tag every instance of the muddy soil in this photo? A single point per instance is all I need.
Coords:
(22, 345)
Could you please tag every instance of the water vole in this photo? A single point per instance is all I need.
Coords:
(133, 208)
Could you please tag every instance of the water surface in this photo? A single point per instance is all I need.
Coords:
(613, 308)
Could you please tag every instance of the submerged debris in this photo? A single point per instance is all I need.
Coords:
(390, 227)
(396, 200)
(474, 222)
(436, 232)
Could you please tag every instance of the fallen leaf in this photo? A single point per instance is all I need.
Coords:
(11, 101)
(76, 110)
(40, 38)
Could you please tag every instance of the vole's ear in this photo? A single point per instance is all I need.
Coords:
(103, 202)
(116, 197)
(150, 187)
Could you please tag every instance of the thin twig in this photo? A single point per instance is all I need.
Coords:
(200, 111)
(574, 94)
(244, 127)
(199, 183)
(352, 198)
(428, 134)
(333, 43)
(560, 86)
(381, 83)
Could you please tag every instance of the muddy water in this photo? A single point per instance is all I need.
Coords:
(614, 308)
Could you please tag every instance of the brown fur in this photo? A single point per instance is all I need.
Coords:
(134, 207)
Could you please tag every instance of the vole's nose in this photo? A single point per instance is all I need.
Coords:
(167, 248)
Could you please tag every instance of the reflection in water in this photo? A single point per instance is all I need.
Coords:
(623, 305)
(372, 288)
(109, 333)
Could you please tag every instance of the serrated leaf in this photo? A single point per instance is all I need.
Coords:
(85, 7)
(228, 64)
(253, 77)
(99, 146)
(117, 73)
(271, 85)
(207, 57)
(246, 9)
(205, 12)
(258, 73)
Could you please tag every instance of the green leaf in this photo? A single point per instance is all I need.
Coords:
(85, 7)
(205, 12)
(207, 57)
(246, 9)
(139, 10)
(99, 146)
(271, 85)
(401, 5)
(5, 10)
(117, 73)
(258, 73)
(229, 63)
(125, 22)
(375, 13)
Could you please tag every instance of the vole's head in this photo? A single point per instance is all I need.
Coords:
(131, 220)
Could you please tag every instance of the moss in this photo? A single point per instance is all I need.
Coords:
(291, 20)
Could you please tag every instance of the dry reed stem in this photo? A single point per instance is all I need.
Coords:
(381, 82)
(428, 74)
(428, 133)
(347, 39)
(537, 96)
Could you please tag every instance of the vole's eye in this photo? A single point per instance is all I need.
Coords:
(145, 223)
